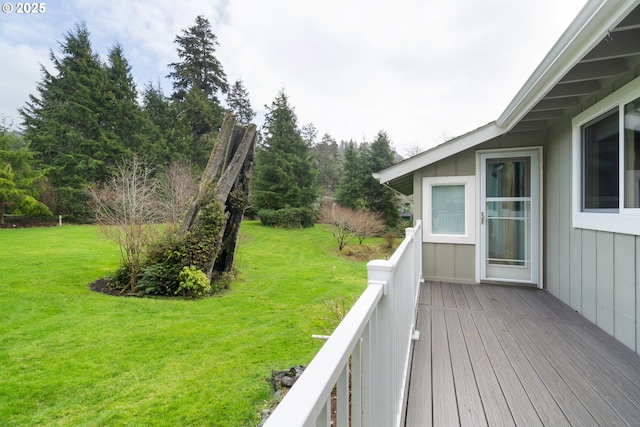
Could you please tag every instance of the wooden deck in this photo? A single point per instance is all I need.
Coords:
(501, 356)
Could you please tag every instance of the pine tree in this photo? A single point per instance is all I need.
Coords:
(284, 175)
(239, 104)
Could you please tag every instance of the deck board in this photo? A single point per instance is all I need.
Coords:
(499, 355)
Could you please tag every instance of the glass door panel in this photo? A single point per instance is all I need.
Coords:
(507, 219)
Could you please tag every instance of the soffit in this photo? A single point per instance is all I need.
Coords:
(617, 53)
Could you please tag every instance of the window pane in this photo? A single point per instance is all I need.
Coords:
(447, 209)
(508, 178)
(601, 163)
(632, 154)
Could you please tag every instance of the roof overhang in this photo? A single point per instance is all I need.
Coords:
(601, 43)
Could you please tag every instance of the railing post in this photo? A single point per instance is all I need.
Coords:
(380, 406)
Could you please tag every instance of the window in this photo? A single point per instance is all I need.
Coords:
(600, 163)
(606, 163)
(448, 206)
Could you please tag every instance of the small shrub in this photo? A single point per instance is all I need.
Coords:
(389, 239)
(287, 218)
(337, 308)
(193, 282)
(159, 279)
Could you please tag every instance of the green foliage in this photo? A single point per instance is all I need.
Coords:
(283, 176)
(20, 179)
(326, 157)
(31, 207)
(159, 279)
(238, 102)
(84, 118)
(287, 218)
(193, 282)
(358, 189)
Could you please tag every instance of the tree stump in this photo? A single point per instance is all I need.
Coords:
(225, 180)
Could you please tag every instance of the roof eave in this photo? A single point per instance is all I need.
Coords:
(592, 24)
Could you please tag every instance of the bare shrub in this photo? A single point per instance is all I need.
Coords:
(127, 209)
(348, 223)
(179, 187)
(340, 219)
(367, 224)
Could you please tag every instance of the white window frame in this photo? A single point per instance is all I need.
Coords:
(626, 220)
(469, 183)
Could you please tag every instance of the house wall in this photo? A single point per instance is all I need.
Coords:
(597, 273)
(457, 262)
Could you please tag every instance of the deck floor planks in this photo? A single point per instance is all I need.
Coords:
(565, 398)
(507, 356)
(419, 408)
(445, 411)
(447, 295)
(458, 296)
(554, 351)
(495, 406)
(602, 376)
(547, 408)
(436, 294)
(470, 408)
(520, 405)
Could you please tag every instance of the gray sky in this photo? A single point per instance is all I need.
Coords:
(422, 70)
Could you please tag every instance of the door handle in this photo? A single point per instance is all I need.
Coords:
(482, 218)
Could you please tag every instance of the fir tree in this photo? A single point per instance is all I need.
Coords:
(284, 176)
(378, 197)
(67, 124)
(238, 102)
(326, 156)
(350, 192)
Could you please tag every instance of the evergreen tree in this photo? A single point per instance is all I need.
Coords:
(378, 197)
(284, 176)
(19, 178)
(326, 155)
(350, 192)
(239, 104)
(65, 125)
(199, 69)
(198, 79)
(122, 116)
(168, 137)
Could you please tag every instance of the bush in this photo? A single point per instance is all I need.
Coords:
(193, 282)
(159, 279)
(288, 217)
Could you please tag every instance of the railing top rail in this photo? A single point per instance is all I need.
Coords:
(303, 403)
(400, 251)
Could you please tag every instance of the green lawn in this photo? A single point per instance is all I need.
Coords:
(69, 356)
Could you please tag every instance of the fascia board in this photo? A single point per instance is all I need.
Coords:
(593, 22)
(440, 152)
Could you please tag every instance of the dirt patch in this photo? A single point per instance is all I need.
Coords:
(102, 286)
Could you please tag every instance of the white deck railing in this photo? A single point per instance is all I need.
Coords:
(367, 357)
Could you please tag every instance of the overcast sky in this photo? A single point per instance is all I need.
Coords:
(422, 70)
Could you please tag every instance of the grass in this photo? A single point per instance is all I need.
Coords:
(69, 356)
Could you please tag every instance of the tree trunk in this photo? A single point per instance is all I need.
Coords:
(225, 179)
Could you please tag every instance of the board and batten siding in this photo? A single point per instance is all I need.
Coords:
(595, 272)
(447, 262)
